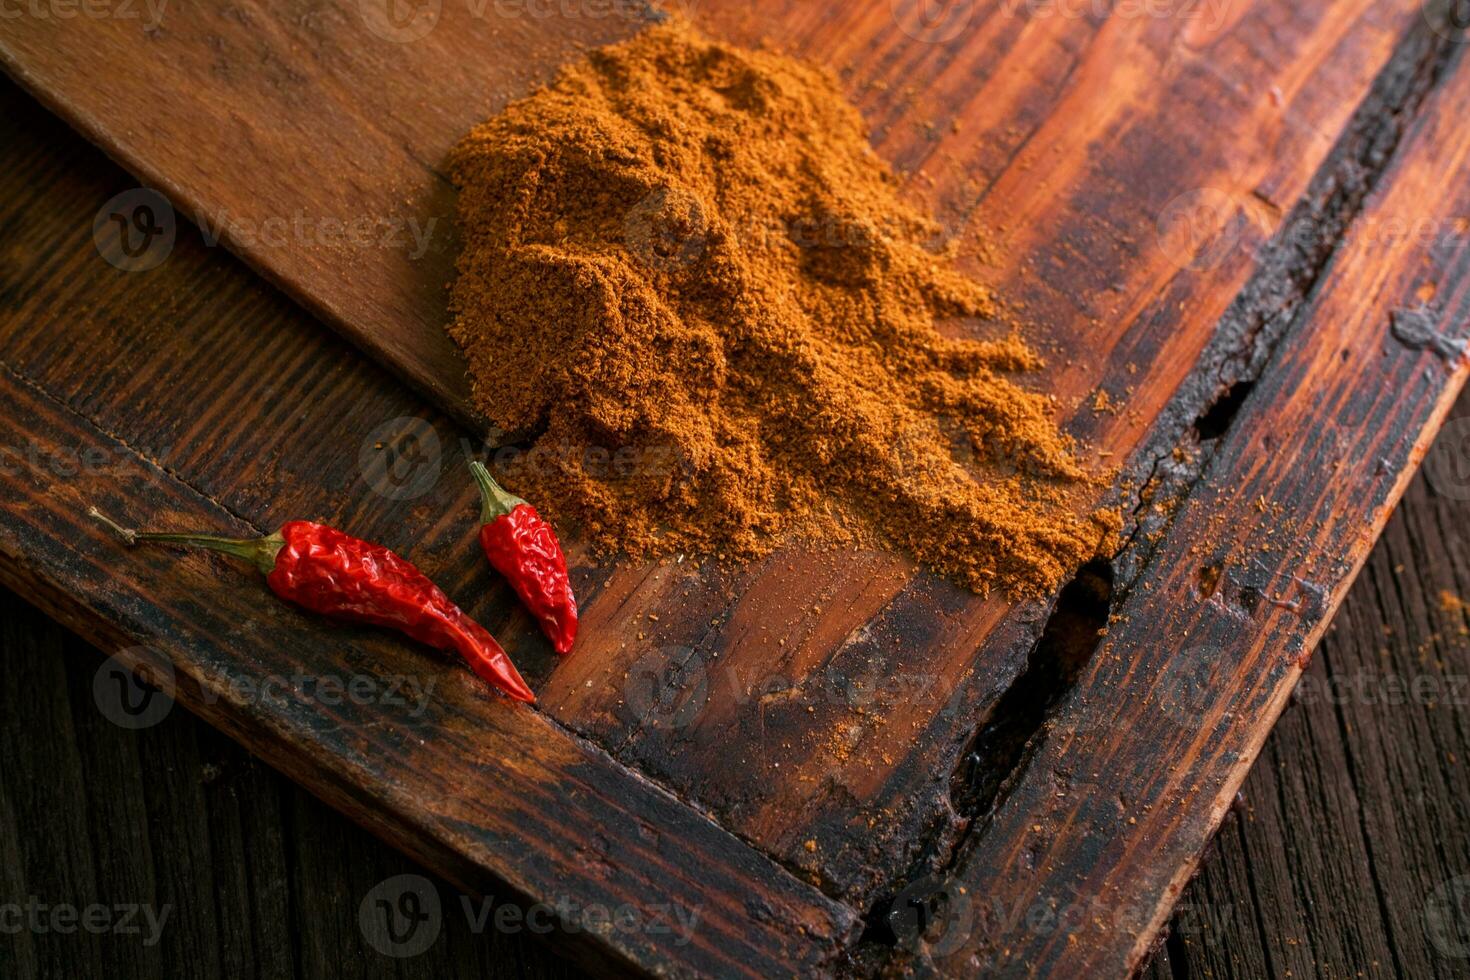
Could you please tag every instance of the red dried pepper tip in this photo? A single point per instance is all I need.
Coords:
(327, 571)
(524, 548)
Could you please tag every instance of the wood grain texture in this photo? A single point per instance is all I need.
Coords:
(1074, 174)
(1326, 868)
(310, 137)
(784, 653)
(808, 749)
(470, 764)
(1347, 858)
(259, 879)
(1259, 552)
(498, 793)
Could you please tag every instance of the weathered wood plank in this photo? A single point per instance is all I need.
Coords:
(1118, 138)
(283, 878)
(309, 137)
(1347, 858)
(1119, 99)
(1232, 921)
(183, 347)
(1258, 554)
(470, 784)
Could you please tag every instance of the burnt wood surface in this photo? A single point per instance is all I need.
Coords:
(1347, 855)
(492, 795)
(1297, 345)
(1066, 142)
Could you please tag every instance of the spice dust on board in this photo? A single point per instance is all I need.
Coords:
(693, 288)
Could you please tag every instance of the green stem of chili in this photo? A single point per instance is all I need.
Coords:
(494, 500)
(261, 552)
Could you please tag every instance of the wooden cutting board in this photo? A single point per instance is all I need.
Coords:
(1239, 230)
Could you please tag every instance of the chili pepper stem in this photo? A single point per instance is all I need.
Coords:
(261, 552)
(494, 501)
(129, 536)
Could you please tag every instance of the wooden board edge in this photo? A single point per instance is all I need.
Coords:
(1427, 375)
(785, 916)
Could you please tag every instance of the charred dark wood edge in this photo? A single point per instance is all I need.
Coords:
(94, 129)
(1240, 357)
(1155, 479)
(771, 902)
(1291, 266)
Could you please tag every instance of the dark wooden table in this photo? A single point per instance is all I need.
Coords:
(166, 850)
(1350, 854)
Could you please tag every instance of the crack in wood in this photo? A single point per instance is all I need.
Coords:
(1189, 430)
(1002, 747)
(1184, 442)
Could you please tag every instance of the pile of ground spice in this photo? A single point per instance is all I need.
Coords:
(693, 288)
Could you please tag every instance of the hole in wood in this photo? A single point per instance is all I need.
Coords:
(1214, 420)
(999, 752)
(1067, 643)
(1209, 580)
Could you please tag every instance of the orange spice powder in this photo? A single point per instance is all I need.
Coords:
(697, 295)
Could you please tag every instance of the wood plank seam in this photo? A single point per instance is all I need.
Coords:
(1242, 335)
(1436, 380)
(162, 467)
(1268, 309)
(1325, 43)
(49, 396)
(251, 526)
(1157, 463)
(68, 609)
(1270, 304)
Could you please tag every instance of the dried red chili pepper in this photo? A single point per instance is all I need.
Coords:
(329, 572)
(523, 547)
